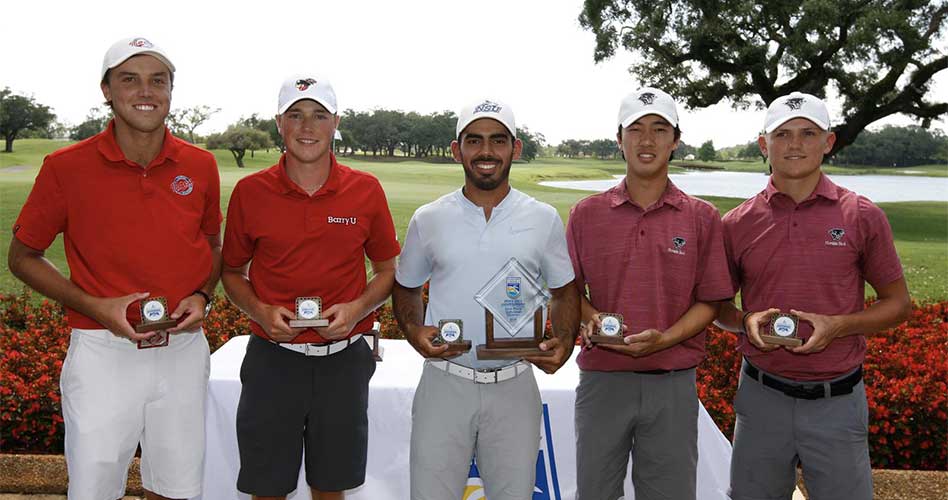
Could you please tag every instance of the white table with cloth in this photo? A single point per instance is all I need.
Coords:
(390, 398)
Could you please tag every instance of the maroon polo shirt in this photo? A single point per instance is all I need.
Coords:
(814, 256)
(649, 265)
(302, 245)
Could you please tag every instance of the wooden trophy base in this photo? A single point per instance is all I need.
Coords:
(375, 334)
(455, 348)
(484, 352)
(606, 339)
(308, 323)
(787, 341)
(155, 326)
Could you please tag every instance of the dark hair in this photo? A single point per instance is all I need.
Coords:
(670, 157)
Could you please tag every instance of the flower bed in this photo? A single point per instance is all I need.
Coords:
(906, 371)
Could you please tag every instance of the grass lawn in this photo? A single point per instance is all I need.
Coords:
(921, 228)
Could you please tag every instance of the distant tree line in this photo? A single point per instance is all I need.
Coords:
(890, 146)
(381, 132)
(604, 149)
(896, 147)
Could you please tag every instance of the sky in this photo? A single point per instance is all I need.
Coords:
(413, 55)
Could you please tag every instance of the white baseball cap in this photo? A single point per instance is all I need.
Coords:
(299, 87)
(486, 108)
(647, 101)
(125, 48)
(796, 105)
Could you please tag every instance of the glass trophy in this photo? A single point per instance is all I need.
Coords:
(513, 298)
(610, 331)
(784, 329)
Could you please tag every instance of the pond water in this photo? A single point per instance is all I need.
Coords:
(878, 188)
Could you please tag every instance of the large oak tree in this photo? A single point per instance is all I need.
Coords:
(878, 55)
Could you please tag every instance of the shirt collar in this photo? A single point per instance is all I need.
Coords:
(288, 186)
(825, 188)
(509, 201)
(672, 196)
(108, 146)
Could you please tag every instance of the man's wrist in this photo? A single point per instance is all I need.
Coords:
(744, 320)
(207, 300)
(202, 293)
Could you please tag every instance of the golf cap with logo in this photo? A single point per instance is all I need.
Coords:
(301, 87)
(647, 101)
(796, 105)
(487, 108)
(125, 48)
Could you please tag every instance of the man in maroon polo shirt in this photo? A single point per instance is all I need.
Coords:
(648, 251)
(806, 246)
(302, 229)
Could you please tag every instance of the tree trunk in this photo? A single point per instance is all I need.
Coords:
(9, 145)
(239, 156)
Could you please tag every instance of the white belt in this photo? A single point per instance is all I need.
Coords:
(489, 376)
(322, 349)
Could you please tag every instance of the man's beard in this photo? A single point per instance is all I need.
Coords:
(488, 184)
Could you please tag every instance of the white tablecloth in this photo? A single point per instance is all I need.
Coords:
(390, 397)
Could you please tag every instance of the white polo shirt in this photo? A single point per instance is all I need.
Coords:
(450, 243)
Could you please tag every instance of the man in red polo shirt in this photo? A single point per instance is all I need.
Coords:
(648, 251)
(302, 229)
(140, 214)
(806, 247)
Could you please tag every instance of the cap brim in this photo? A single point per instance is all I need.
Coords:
(463, 126)
(305, 98)
(817, 122)
(631, 118)
(156, 55)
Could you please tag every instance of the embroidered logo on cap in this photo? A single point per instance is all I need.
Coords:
(647, 98)
(795, 102)
(182, 185)
(140, 42)
(488, 107)
(304, 84)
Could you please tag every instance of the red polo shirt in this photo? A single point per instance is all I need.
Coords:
(126, 228)
(309, 246)
(649, 265)
(814, 256)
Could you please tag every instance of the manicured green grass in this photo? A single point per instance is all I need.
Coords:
(920, 228)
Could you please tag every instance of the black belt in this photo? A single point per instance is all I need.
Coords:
(662, 372)
(803, 390)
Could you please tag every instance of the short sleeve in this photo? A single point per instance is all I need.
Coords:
(879, 261)
(573, 245)
(714, 280)
(414, 264)
(238, 243)
(382, 243)
(44, 214)
(211, 220)
(555, 264)
(730, 252)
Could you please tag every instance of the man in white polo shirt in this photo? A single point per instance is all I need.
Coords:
(466, 406)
